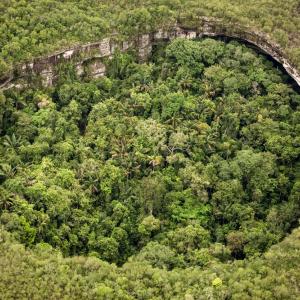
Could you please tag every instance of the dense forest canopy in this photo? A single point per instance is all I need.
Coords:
(188, 161)
(42, 273)
(38, 27)
(175, 178)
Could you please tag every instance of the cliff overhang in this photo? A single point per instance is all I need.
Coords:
(94, 53)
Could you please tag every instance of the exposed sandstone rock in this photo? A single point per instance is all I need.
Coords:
(97, 69)
(68, 54)
(47, 76)
(104, 47)
(206, 27)
(79, 69)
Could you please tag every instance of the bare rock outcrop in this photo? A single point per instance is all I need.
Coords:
(95, 52)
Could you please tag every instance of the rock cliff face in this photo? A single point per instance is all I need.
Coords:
(92, 54)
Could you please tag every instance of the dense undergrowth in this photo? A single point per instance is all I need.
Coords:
(189, 160)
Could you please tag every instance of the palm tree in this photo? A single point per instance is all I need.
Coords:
(12, 142)
(6, 200)
(7, 171)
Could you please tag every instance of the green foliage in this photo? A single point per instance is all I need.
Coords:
(33, 28)
(42, 273)
(182, 170)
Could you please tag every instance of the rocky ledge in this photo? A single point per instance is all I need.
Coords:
(92, 54)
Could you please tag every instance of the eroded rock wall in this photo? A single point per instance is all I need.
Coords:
(94, 53)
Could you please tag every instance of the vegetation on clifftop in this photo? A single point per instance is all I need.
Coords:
(33, 28)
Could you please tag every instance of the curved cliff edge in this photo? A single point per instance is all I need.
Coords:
(92, 54)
